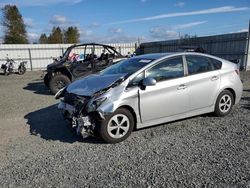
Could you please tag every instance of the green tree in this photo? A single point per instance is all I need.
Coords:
(56, 36)
(187, 36)
(15, 29)
(72, 35)
(43, 39)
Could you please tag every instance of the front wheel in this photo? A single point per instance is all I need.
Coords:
(117, 126)
(57, 82)
(224, 103)
(5, 72)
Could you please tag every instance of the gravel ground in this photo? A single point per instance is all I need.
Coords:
(38, 150)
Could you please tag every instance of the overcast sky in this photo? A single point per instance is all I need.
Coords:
(126, 21)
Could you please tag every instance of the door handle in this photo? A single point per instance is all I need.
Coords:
(214, 78)
(182, 86)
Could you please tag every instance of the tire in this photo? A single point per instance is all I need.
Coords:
(5, 72)
(110, 136)
(224, 103)
(46, 80)
(57, 82)
(21, 70)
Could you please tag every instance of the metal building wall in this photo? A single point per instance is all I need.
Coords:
(228, 46)
(40, 55)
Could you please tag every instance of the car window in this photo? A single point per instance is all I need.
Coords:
(216, 63)
(128, 66)
(168, 69)
(198, 64)
(136, 80)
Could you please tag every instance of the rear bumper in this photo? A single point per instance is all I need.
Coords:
(238, 95)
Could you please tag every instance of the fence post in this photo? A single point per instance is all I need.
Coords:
(31, 67)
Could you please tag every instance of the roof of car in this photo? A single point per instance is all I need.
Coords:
(154, 56)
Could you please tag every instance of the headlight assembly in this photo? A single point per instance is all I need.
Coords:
(98, 102)
(95, 104)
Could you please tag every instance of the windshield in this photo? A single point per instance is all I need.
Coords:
(128, 66)
(89, 49)
(66, 53)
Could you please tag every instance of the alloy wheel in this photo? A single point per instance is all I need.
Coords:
(225, 103)
(118, 126)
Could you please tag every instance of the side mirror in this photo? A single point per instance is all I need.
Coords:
(148, 82)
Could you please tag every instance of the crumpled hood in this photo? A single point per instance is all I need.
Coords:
(91, 84)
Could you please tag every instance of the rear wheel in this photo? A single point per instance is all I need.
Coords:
(21, 70)
(224, 103)
(57, 82)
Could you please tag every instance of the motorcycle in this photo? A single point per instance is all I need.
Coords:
(9, 67)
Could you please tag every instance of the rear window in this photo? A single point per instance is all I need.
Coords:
(216, 63)
(198, 64)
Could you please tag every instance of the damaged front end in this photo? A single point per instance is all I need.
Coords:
(74, 110)
(82, 111)
(85, 119)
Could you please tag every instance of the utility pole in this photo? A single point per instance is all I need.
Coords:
(247, 63)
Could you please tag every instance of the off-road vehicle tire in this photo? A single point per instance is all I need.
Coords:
(46, 80)
(57, 82)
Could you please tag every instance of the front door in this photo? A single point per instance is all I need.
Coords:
(170, 94)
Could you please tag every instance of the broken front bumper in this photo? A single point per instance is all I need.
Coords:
(84, 124)
(67, 109)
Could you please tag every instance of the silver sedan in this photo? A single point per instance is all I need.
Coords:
(150, 89)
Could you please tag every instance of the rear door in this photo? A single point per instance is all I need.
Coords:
(203, 81)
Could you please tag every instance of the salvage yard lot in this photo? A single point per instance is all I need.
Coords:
(38, 149)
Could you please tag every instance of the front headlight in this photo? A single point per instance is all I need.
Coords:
(60, 93)
(95, 104)
(99, 101)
